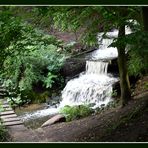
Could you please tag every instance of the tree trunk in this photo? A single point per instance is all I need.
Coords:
(145, 19)
(124, 79)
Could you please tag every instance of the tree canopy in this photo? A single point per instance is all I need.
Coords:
(27, 52)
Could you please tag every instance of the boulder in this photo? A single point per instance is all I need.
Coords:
(55, 119)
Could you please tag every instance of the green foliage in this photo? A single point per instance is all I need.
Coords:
(49, 80)
(34, 96)
(10, 31)
(138, 53)
(28, 55)
(135, 64)
(1, 107)
(146, 85)
(75, 112)
(27, 97)
(137, 49)
(3, 132)
(114, 93)
(80, 19)
(15, 101)
(112, 104)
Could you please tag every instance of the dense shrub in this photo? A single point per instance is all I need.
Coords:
(27, 55)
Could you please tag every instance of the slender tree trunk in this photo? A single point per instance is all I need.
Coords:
(145, 17)
(124, 79)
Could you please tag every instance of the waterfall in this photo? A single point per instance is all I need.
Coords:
(96, 67)
(93, 87)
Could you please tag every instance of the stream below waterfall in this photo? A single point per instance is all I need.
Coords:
(92, 87)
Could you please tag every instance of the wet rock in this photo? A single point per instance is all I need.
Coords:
(113, 66)
(56, 119)
(53, 101)
(73, 67)
(116, 88)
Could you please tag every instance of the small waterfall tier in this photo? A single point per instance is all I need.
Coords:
(93, 87)
(95, 67)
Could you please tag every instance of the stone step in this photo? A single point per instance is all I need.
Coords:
(8, 109)
(3, 90)
(8, 116)
(2, 94)
(7, 113)
(4, 101)
(11, 119)
(12, 123)
(6, 106)
(1, 87)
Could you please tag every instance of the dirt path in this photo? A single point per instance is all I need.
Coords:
(95, 128)
(134, 130)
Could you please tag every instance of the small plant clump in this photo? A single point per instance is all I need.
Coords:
(3, 132)
(75, 112)
(110, 105)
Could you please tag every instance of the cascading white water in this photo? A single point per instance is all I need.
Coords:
(94, 87)
(105, 52)
(95, 67)
(38, 114)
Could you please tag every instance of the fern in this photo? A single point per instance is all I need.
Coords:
(49, 80)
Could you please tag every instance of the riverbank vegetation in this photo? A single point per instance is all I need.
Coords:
(76, 112)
